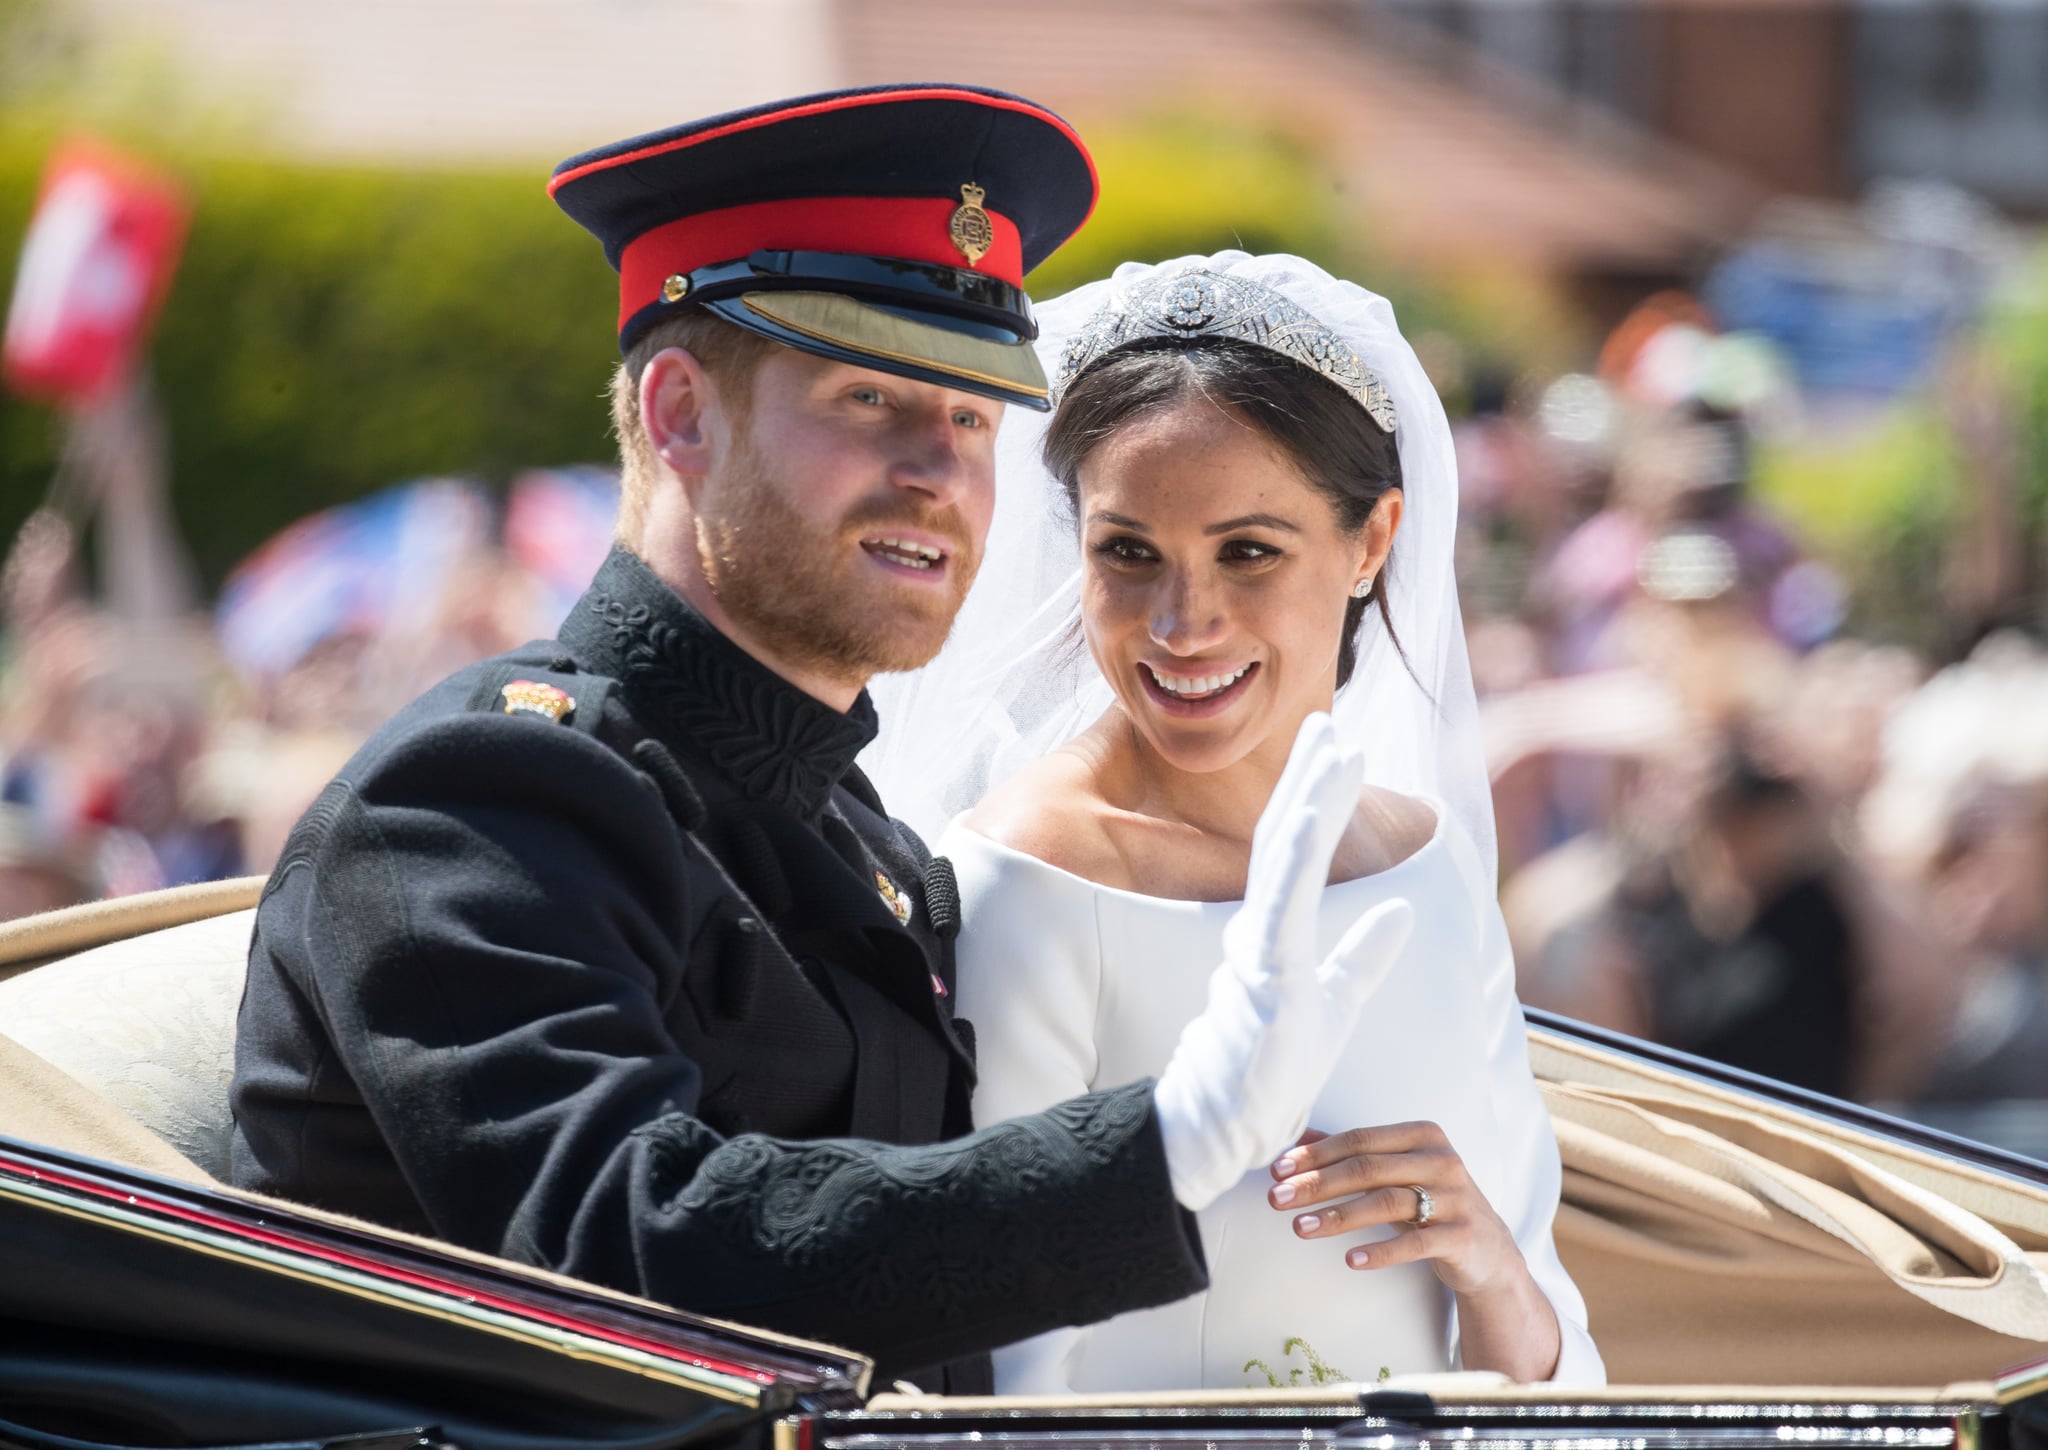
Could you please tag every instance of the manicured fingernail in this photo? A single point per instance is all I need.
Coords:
(1283, 1194)
(1285, 1167)
(1306, 1224)
(1356, 1258)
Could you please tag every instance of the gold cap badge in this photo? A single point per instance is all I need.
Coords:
(971, 230)
(530, 697)
(898, 901)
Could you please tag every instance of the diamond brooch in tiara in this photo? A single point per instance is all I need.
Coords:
(1196, 303)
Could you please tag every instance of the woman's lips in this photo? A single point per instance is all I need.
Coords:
(1199, 706)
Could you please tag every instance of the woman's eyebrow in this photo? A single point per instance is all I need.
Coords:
(1254, 521)
(1117, 521)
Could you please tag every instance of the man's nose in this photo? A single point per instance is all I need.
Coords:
(1186, 613)
(929, 459)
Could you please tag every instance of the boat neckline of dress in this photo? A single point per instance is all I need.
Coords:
(1436, 839)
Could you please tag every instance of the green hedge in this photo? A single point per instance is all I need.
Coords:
(333, 330)
(336, 329)
(1198, 182)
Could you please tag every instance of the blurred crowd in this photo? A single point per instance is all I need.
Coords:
(147, 743)
(1726, 824)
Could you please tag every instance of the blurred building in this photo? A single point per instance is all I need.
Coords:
(1443, 170)
(1441, 166)
(475, 80)
(1609, 143)
(1815, 97)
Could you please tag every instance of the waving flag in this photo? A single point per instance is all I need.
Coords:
(94, 268)
(559, 524)
(349, 570)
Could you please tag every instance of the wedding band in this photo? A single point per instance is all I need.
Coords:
(1425, 1206)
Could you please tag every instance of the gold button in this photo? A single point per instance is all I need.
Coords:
(676, 288)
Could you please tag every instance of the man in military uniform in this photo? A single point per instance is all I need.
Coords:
(602, 955)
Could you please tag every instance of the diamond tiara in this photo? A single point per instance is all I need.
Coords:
(1195, 303)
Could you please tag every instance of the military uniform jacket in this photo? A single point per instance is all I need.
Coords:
(655, 995)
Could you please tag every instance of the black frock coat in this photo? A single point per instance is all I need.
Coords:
(624, 995)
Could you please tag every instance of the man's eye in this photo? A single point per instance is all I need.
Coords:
(867, 395)
(968, 418)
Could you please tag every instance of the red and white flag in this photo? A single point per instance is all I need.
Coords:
(94, 268)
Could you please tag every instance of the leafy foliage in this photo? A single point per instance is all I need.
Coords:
(1319, 1373)
(333, 330)
(1201, 182)
(1878, 503)
(2016, 338)
(1193, 183)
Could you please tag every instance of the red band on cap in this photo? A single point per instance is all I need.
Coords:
(916, 229)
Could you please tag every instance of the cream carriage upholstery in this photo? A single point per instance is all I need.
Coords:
(1719, 1238)
(146, 1019)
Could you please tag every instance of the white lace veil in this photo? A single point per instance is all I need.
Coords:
(1016, 680)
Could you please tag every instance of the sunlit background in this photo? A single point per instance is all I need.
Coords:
(1740, 308)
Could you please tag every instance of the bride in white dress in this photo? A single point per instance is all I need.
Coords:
(1242, 513)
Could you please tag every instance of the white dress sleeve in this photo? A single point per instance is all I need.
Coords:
(1529, 1176)
(1029, 960)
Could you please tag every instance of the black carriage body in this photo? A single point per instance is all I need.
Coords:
(140, 1311)
(1725, 1419)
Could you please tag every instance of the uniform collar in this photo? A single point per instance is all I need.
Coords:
(692, 685)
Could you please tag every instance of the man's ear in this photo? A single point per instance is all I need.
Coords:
(678, 402)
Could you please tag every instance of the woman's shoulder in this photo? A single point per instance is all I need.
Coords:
(1029, 905)
(1052, 812)
(1444, 859)
(1399, 826)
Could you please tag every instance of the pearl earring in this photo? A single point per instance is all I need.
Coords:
(1362, 588)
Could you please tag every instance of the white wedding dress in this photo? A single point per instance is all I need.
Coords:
(1073, 986)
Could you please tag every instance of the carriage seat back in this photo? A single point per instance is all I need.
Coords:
(148, 1023)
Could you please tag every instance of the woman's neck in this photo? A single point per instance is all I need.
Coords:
(1222, 804)
(1108, 808)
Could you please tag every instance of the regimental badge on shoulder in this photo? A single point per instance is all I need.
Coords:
(899, 901)
(971, 230)
(530, 697)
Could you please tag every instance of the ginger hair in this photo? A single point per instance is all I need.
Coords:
(729, 354)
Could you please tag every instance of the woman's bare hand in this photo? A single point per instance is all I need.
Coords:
(1339, 1183)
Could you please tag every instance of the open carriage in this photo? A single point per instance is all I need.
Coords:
(1762, 1266)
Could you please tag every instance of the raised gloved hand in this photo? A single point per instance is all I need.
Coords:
(1241, 1081)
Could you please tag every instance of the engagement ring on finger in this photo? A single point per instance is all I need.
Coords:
(1425, 1206)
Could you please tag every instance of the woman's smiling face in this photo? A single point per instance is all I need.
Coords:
(1214, 582)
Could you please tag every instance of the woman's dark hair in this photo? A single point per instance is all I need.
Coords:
(1332, 440)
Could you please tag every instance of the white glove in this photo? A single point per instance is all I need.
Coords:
(1241, 1081)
